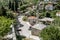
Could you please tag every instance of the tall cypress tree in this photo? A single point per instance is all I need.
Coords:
(16, 5)
(9, 4)
(12, 8)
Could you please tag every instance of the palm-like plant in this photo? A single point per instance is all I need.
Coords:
(4, 25)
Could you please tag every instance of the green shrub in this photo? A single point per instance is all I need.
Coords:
(11, 14)
(0, 12)
(7, 13)
(53, 13)
(19, 37)
(5, 25)
(23, 7)
(32, 13)
(24, 18)
(41, 15)
(57, 7)
(50, 33)
(3, 11)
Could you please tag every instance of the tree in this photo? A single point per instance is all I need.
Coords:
(9, 4)
(16, 6)
(12, 8)
(13, 5)
(48, 15)
(57, 7)
(50, 33)
(3, 11)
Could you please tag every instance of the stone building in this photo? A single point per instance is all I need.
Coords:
(58, 14)
(32, 20)
(40, 6)
(49, 6)
(36, 29)
(51, 0)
